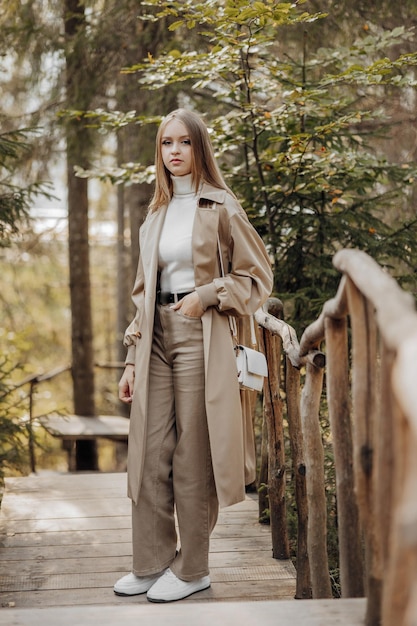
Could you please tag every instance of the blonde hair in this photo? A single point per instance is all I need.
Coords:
(204, 167)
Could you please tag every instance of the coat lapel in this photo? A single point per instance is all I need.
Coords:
(204, 244)
(148, 241)
(205, 230)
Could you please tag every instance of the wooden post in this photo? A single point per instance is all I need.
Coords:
(402, 565)
(411, 609)
(363, 409)
(263, 504)
(31, 437)
(385, 482)
(338, 398)
(314, 457)
(292, 387)
(276, 449)
(400, 582)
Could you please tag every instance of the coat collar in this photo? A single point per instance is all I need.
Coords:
(214, 194)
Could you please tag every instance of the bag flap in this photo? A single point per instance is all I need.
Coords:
(256, 361)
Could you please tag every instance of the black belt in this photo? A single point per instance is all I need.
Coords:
(165, 297)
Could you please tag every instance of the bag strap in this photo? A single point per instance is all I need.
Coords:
(220, 256)
(232, 321)
(252, 332)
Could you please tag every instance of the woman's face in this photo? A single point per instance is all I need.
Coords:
(176, 149)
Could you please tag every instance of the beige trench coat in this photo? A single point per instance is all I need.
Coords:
(246, 286)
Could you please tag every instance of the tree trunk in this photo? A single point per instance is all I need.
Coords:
(124, 278)
(79, 262)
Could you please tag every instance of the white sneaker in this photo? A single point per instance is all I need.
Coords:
(132, 585)
(169, 588)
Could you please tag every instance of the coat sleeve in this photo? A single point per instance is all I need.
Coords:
(133, 331)
(248, 279)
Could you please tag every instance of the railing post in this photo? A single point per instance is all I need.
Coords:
(276, 448)
(292, 388)
(314, 458)
(364, 408)
(31, 437)
(339, 405)
(275, 308)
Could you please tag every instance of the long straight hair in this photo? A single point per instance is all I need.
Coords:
(204, 167)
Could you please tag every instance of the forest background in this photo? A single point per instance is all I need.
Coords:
(312, 109)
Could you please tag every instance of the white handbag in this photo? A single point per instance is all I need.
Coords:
(251, 368)
(251, 364)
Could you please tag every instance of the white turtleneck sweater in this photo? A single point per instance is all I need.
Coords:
(175, 249)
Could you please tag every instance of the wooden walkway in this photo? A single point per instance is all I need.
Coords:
(65, 539)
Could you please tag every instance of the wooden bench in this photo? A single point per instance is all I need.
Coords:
(70, 428)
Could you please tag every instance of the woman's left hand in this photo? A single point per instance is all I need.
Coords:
(190, 305)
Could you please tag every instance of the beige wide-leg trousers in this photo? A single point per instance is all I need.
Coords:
(177, 473)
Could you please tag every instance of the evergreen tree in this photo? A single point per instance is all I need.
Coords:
(295, 134)
(15, 198)
(13, 430)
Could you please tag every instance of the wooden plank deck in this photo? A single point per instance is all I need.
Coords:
(190, 613)
(65, 539)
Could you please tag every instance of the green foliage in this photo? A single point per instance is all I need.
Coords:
(36, 334)
(15, 199)
(36, 315)
(35, 337)
(295, 132)
(13, 428)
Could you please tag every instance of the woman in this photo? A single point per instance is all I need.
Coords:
(186, 449)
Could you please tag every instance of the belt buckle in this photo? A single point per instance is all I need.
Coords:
(164, 297)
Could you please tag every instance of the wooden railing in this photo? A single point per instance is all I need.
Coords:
(365, 344)
(32, 381)
(369, 332)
